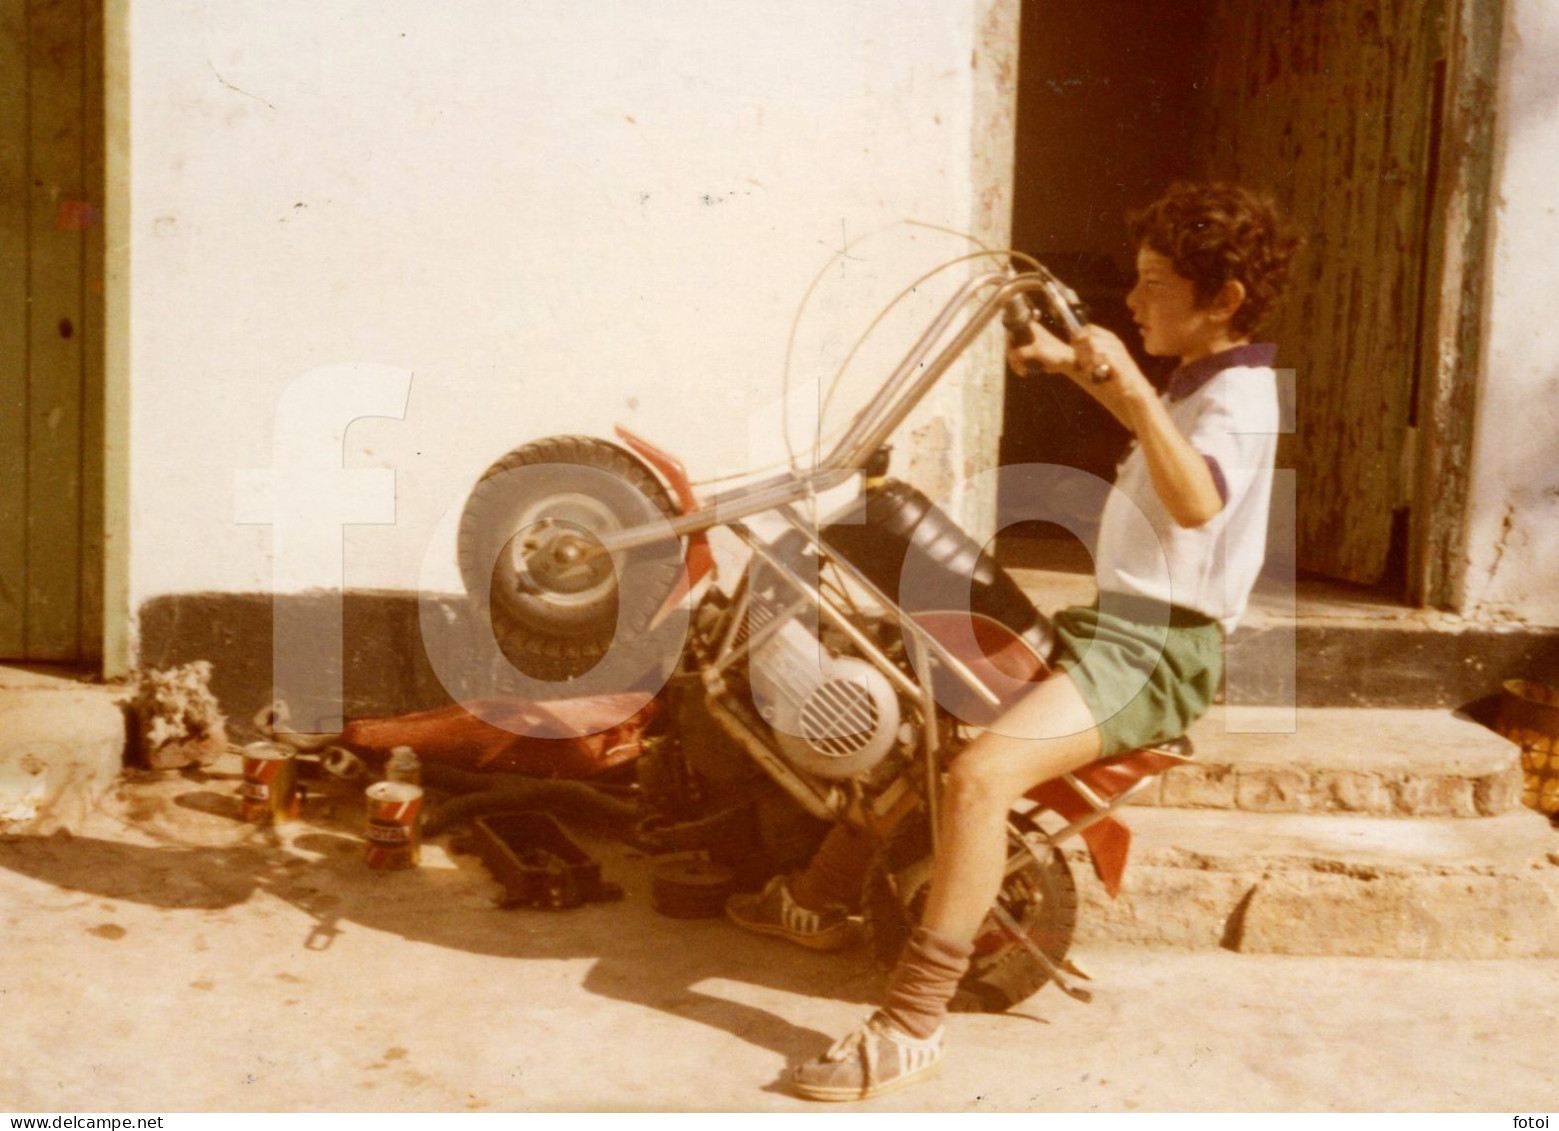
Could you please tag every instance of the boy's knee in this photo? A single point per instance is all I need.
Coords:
(977, 784)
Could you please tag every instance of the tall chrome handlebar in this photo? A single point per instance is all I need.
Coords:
(872, 426)
(884, 413)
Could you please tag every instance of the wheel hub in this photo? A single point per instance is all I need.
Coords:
(553, 556)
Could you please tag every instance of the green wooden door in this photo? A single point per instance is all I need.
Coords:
(51, 403)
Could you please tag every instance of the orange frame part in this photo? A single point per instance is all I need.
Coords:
(700, 561)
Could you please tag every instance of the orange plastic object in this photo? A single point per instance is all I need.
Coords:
(1108, 841)
(547, 740)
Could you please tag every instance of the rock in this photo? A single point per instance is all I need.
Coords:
(178, 720)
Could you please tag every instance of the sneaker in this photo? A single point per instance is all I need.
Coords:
(874, 1059)
(773, 912)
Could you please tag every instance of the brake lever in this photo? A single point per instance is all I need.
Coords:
(1067, 306)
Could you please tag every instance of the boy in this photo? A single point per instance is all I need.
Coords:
(1211, 263)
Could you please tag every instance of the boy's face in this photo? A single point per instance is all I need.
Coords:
(1164, 306)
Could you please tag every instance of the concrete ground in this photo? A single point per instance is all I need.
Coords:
(169, 958)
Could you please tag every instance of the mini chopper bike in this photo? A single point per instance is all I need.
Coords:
(834, 678)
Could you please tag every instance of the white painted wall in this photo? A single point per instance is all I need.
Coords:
(556, 214)
(1513, 543)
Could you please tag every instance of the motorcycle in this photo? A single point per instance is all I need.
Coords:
(833, 681)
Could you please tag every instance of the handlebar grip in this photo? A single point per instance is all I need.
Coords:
(1017, 316)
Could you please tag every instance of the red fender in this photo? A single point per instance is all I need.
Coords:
(700, 559)
(1108, 841)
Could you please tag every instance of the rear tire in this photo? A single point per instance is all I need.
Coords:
(1039, 894)
(556, 621)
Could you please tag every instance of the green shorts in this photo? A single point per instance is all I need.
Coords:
(1146, 670)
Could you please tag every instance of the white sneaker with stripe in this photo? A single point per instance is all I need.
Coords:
(874, 1059)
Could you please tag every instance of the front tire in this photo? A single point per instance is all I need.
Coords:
(555, 619)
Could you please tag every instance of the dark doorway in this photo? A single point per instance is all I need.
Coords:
(1107, 95)
(1335, 110)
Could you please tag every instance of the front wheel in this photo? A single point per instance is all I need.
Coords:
(556, 611)
(1038, 892)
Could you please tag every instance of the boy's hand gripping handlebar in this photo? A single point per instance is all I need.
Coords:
(1020, 312)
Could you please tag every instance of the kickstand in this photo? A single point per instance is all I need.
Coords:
(1077, 993)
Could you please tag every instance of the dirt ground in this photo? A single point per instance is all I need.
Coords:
(170, 959)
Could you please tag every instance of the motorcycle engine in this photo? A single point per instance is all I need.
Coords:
(833, 716)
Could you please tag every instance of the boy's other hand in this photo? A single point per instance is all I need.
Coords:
(1095, 347)
(1045, 353)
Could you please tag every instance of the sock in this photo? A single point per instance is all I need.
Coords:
(924, 982)
(837, 871)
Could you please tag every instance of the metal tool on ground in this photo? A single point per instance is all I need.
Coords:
(339, 762)
(538, 863)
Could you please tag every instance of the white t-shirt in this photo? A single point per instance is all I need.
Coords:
(1226, 405)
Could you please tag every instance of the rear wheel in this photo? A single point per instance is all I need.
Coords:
(1038, 892)
(556, 610)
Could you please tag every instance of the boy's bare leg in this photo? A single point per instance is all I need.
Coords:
(1047, 733)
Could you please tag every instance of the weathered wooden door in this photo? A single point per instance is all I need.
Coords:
(1332, 106)
(51, 404)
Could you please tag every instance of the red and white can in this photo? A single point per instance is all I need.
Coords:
(269, 792)
(394, 825)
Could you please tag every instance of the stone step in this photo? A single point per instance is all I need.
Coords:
(62, 745)
(1277, 883)
(1325, 644)
(1386, 763)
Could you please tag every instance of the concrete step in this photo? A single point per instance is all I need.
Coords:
(1354, 648)
(1277, 883)
(1385, 763)
(62, 745)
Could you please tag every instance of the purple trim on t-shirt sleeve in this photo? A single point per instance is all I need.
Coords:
(1218, 479)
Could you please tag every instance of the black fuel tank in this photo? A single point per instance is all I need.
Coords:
(910, 549)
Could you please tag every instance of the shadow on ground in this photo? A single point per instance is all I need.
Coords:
(317, 867)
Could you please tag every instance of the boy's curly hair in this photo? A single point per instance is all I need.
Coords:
(1215, 233)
